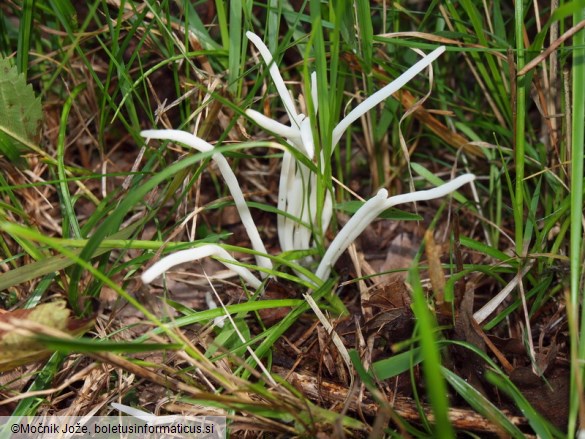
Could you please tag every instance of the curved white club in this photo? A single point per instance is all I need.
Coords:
(383, 94)
(230, 179)
(370, 211)
(194, 254)
(276, 76)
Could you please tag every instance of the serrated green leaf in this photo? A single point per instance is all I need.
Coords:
(21, 112)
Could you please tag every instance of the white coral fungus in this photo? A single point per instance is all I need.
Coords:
(297, 197)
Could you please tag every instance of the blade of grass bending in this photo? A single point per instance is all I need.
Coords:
(540, 425)
(490, 251)
(52, 264)
(396, 364)
(112, 223)
(205, 316)
(480, 403)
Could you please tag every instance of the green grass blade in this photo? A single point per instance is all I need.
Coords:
(272, 334)
(25, 30)
(235, 46)
(85, 345)
(353, 206)
(44, 379)
(397, 364)
(577, 295)
(365, 34)
(519, 128)
(65, 12)
(71, 224)
(198, 28)
(222, 20)
(435, 384)
(487, 250)
(193, 317)
(273, 24)
(480, 403)
(540, 425)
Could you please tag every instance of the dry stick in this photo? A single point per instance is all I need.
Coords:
(441, 40)
(406, 408)
(502, 359)
(331, 332)
(164, 381)
(554, 46)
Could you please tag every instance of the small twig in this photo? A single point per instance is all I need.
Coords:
(82, 374)
(554, 46)
(406, 408)
(240, 336)
(331, 331)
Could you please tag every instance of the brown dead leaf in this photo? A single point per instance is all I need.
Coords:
(399, 257)
(392, 316)
(18, 345)
(390, 296)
